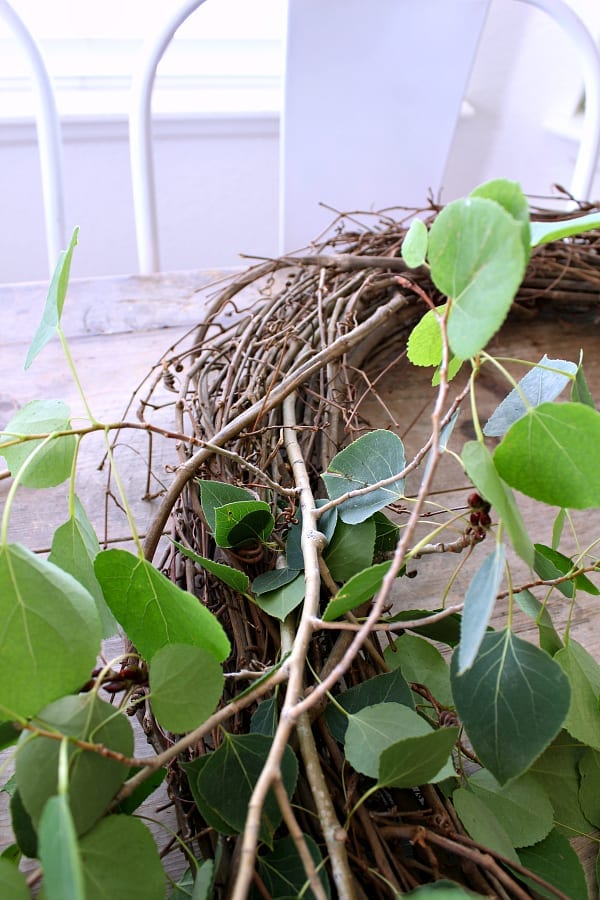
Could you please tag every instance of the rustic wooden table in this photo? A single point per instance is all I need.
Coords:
(118, 328)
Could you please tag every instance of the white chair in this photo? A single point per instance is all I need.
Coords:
(362, 150)
(49, 137)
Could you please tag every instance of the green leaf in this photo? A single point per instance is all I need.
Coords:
(374, 728)
(522, 807)
(23, 828)
(589, 788)
(445, 435)
(273, 580)
(414, 245)
(144, 790)
(210, 813)
(264, 717)
(542, 384)
(350, 550)
(282, 871)
(49, 636)
(233, 578)
(282, 602)
(186, 683)
(511, 198)
(419, 661)
(557, 770)
(424, 347)
(512, 702)
(417, 760)
(203, 882)
(544, 232)
(59, 853)
(479, 466)
(479, 605)
(357, 590)
(580, 392)
(390, 687)
(243, 522)
(93, 779)
(222, 786)
(217, 493)
(550, 455)
(120, 859)
(13, 883)
(481, 824)
(531, 606)
(555, 860)
(386, 535)
(477, 259)
(152, 610)
(55, 301)
(440, 890)
(550, 564)
(583, 672)
(9, 734)
(326, 524)
(74, 549)
(454, 367)
(53, 463)
(368, 460)
(557, 527)
(445, 631)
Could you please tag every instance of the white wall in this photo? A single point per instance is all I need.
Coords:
(217, 175)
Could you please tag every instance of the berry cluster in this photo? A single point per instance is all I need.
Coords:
(479, 518)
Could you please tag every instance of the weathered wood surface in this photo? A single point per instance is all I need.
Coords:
(120, 328)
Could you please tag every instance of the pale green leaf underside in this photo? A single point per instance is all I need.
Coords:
(375, 456)
(49, 632)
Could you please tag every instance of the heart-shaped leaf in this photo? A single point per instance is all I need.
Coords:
(522, 807)
(222, 784)
(512, 702)
(477, 259)
(550, 454)
(391, 687)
